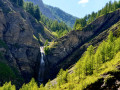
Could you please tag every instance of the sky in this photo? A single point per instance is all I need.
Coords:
(78, 8)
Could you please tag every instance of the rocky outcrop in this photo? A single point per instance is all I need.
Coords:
(20, 48)
(66, 50)
(108, 81)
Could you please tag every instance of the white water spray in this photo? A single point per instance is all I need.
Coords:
(42, 66)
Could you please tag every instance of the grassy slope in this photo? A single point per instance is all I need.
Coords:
(105, 68)
(108, 67)
(104, 73)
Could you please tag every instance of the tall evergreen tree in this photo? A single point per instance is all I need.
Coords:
(20, 3)
(37, 13)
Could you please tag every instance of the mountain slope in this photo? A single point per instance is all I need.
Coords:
(54, 13)
(62, 16)
(20, 38)
(63, 54)
(110, 67)
(105, 76)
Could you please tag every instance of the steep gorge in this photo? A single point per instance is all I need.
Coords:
(18, 30)
(69, 48)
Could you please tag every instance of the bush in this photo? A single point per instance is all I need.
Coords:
(46, 49)
(8, 86)
(6, 73)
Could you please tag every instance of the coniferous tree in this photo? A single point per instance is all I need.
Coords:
(20, 3)
(111, 6)
(37, 13)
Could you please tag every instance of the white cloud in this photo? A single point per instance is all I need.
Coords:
(83, 1)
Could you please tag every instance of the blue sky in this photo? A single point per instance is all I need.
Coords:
(78, 8)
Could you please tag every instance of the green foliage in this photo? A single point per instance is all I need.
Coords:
(49, 85)
(91, 61)
(88, 70)
(109, 7)
(62, 16)
(78, 27)
(33, 10)
(37, 13)
(18, 2)
(91, 65)
(110, 37)
(46, 50)
(46, 43)
(8, 86)
(59, 27)
(29, 7)
(6, 73)
(61, 33)
(32, 85)
(88, 61)
(62, 77)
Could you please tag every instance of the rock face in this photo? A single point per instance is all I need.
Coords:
(21, 49)
(17, 29)
(67, 46)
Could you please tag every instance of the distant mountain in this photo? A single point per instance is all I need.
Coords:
(62, 16)
(54, 13)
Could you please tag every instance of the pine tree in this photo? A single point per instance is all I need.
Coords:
(20, 3)
(88, 61)
(110, 37)
(37, 13)
(59, 77)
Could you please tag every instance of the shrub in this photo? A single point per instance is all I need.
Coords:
(6, 73)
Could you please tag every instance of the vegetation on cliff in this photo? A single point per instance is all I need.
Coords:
(97, 65)
(60, 28)
(109, 7)
(89, 69)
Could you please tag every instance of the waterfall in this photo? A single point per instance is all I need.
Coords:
(42, 66)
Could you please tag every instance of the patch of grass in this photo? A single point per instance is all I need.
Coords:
(52, 44)
(55, 34)
(35, 37)
(47, 49)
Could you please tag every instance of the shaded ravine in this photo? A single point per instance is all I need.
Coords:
(42, 66)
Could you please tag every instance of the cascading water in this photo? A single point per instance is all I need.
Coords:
(42, 66)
